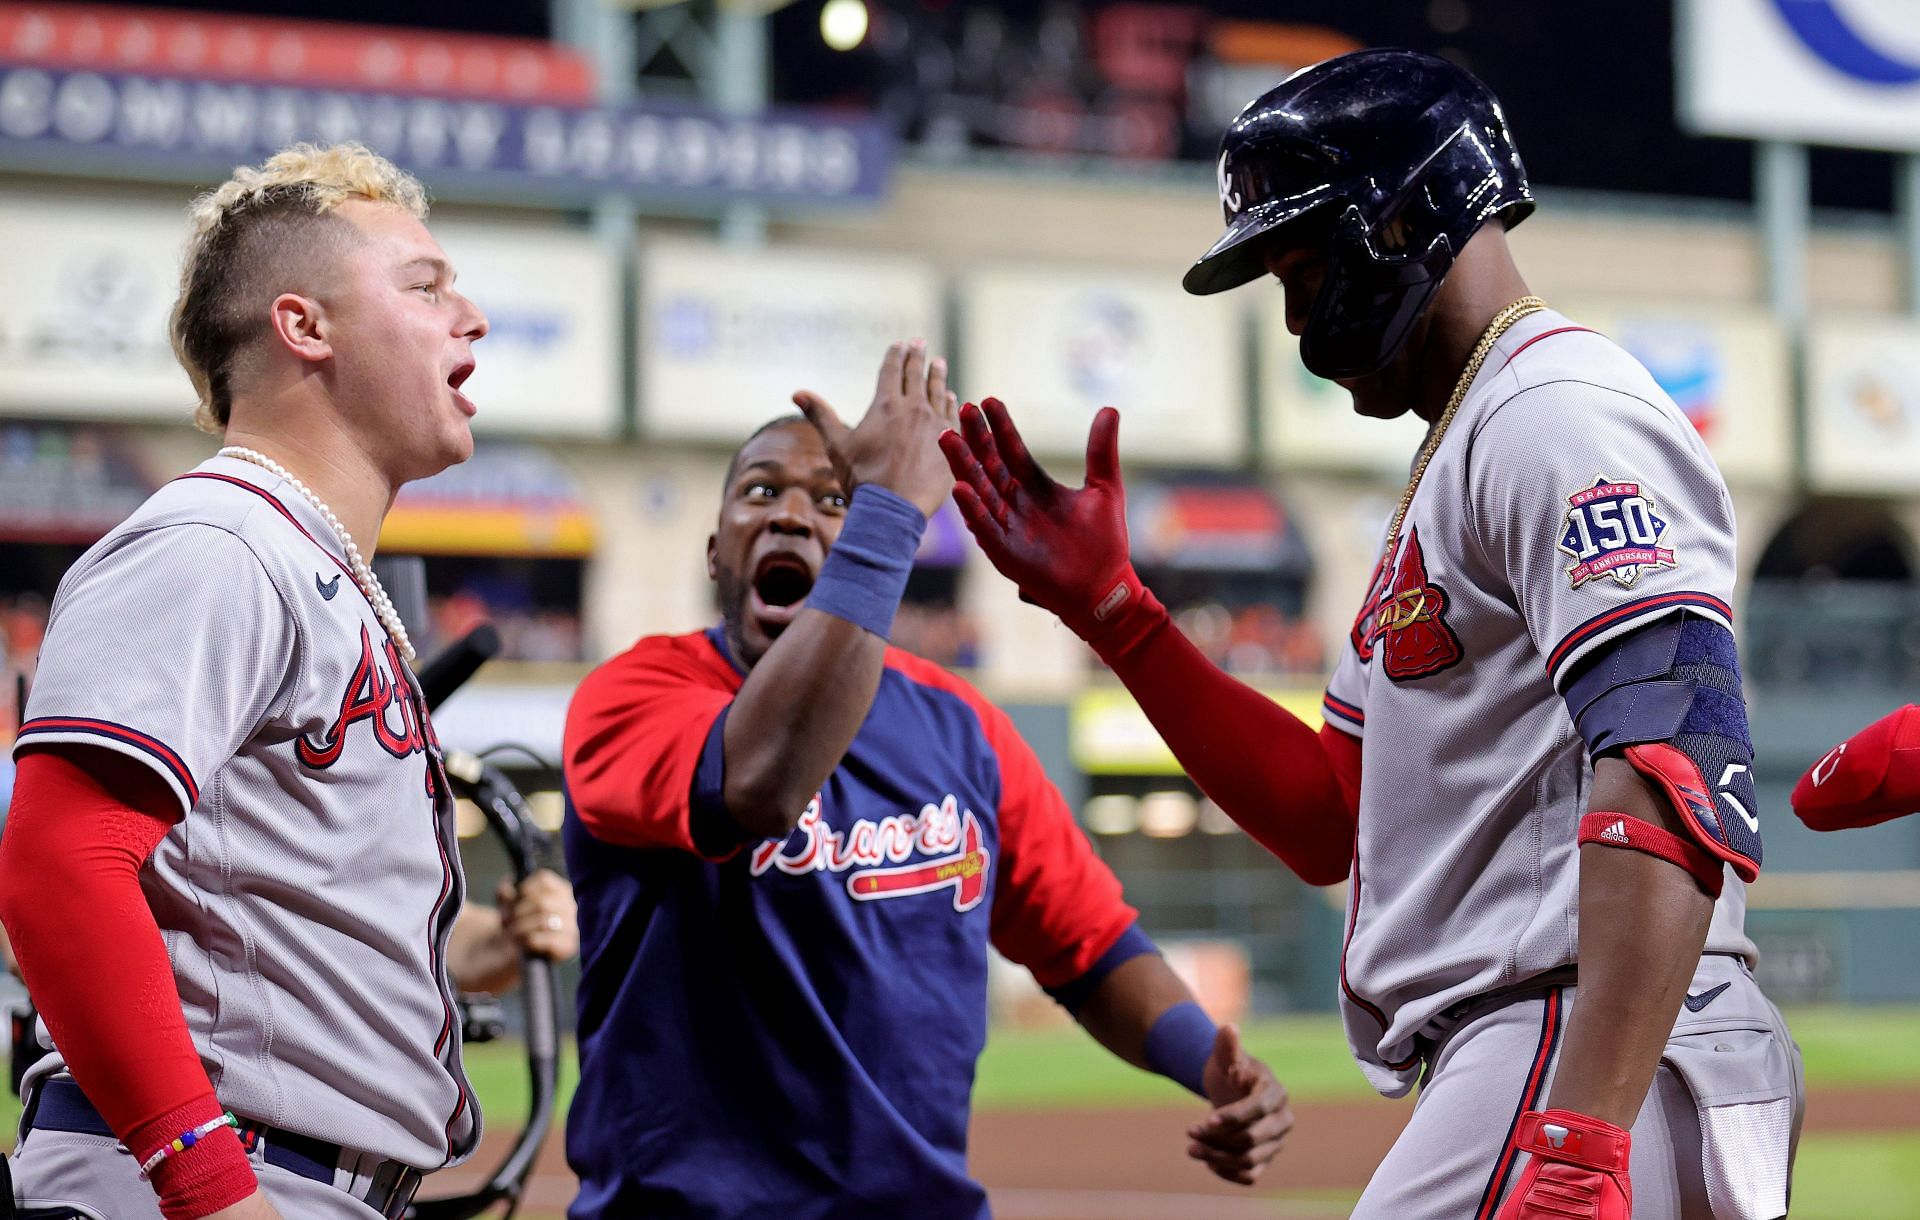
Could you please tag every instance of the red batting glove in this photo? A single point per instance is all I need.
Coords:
(1066, 547)
(1872, 776)
(1578, 1170)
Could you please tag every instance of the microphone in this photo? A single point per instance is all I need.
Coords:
(447, 672)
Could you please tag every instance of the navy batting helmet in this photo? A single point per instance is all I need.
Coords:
(1389, 160)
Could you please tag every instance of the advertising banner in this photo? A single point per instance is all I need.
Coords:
(1309, 424)
(89, 285)
(1108, 734)
(727, 336)
(508, 499)
(1843, 72)
(216, 46)
(1863, 405)
(1727, 368)
(551, 361)
(1056, 346)
(121, 124)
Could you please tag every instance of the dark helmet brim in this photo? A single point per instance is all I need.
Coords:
(1239, 257)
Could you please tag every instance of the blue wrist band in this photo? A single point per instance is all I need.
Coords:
(1179, 1043)
(866, 571)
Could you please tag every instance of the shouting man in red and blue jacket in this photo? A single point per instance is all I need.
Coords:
(792, 847)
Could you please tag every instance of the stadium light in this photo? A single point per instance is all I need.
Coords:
(843, 23)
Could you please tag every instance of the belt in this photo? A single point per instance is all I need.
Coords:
(1447, 1020)
(59, 1105)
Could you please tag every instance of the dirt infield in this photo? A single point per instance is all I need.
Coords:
(1090, 1164)
(1130, 1163)
(1112, 1164)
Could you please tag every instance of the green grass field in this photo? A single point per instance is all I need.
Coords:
(1850, 1047)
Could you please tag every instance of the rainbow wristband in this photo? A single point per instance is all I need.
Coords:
(187, 1140)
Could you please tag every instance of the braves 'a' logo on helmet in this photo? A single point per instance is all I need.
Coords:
(1405, 616)
(1229, 197)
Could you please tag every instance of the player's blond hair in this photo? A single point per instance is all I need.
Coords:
(253, 238)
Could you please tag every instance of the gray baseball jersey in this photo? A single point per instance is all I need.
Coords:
(307, 895)
(1569, 502)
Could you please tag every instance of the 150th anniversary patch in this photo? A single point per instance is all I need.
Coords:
(1613, 530)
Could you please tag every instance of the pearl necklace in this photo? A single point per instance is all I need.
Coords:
(362, 574)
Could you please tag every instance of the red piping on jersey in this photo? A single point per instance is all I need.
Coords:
(1545, 334)
(1353, 922)
(1343, 709)
(433, 955)
(1529, 1100)
(1606, 620)
(119, 732)
(446, 868)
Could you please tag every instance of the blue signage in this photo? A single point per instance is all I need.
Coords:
(1827, 33)
(128, 124)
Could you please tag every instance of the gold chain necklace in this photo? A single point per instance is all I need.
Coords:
(1488, 337)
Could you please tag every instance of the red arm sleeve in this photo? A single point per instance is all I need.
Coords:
(1295, 791)
(640, 733)
(70, 860)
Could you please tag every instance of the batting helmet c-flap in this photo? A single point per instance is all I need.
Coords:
(1391, 160)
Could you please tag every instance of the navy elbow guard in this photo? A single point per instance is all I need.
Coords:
(1667, 698)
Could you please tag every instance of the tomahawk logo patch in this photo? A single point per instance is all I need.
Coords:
(1613, 530)
(1405, 616)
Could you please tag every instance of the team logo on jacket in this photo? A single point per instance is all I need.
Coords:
(878, 856)
(1612, 530)
(1405, 616)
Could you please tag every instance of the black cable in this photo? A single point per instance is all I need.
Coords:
(548, 770)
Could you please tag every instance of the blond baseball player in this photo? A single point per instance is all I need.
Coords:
(230, 873)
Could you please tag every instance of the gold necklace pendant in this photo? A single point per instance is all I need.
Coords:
(1501, 323)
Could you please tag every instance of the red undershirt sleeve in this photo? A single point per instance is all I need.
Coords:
(1294, 790)
(82, 825)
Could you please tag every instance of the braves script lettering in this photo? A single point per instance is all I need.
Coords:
(948, 839)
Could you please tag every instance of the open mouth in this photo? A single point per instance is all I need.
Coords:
(456, 379)
(780, 583)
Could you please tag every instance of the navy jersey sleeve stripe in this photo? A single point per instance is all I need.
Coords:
(153, 747)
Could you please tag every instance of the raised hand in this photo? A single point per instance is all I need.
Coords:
(1251, 1116)
(895, 445)
(1066, 547)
